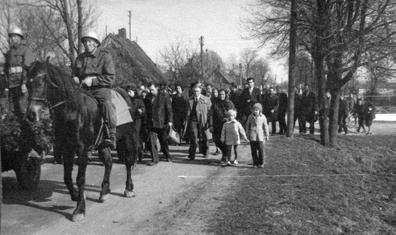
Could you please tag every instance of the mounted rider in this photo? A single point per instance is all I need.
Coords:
(17, 61)
(94, 70)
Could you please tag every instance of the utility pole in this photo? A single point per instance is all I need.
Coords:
(240, 75)
(106, 31)
(130, 17)
(201, 43)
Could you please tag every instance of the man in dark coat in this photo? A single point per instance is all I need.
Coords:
(297, 108)
(179, 107)
(234, 97)
(138, 113)
(248, 98)
(308, 110)
(270, 108)
(282, 108)
(159, 120)
(342, 115)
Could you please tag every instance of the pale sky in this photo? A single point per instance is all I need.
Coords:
(158, 23)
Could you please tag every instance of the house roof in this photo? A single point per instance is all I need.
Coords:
(219, 79)
(132, 64)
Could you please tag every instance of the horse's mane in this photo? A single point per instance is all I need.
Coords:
(61, 77)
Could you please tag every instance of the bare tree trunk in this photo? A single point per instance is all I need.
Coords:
(319, 44)
(69, 27)
(1, 184)
(79, 26)
(292, 60)
(333, 123)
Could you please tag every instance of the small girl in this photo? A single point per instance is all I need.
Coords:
(231, 136)
(257, 131)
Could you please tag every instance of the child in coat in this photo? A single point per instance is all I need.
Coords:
(231, 136)
(257, 132)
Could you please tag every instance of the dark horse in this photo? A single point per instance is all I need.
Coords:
(77, 120)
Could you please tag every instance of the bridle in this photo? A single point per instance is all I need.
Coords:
(44, 99)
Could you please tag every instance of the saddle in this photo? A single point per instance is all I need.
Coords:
(120, 99)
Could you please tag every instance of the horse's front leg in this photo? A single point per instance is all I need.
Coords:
(79, 212)
(105, 156)
(68, 158)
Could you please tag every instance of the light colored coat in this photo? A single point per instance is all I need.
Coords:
(257, 127)
(204, 111)
(232, 132)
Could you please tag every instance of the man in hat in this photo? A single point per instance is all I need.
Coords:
(17, 61)
(94, 70)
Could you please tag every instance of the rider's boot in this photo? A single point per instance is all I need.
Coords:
(111, 139)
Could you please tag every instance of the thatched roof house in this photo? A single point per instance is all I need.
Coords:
(220, 79)
(133, 66)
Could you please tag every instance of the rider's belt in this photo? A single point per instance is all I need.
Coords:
(15, 69)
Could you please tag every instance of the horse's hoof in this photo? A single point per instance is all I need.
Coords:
(103, 197)
(78, 217)
(129, 194)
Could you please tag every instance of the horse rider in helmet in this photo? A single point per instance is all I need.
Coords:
(94, 70)
(17, 61)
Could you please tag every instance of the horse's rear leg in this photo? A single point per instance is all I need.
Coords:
(67, 176)
(129, 154)
(105, 156)
(128, 192)
(79, 212)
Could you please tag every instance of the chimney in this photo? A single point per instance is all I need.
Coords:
(122, 33)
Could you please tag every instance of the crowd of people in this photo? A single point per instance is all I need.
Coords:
(197, 115)
(229, 116)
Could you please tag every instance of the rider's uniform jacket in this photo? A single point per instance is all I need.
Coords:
(17, 61)
(99, 64)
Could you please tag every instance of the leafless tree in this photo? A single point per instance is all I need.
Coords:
(176, 56)
(339, 34)
(258, 69)
(7, 7)
(248, 56)
(62, 20)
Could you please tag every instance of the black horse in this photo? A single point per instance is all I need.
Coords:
(76, 121)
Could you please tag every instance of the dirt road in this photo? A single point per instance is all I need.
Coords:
(172, 198)
(168, 201)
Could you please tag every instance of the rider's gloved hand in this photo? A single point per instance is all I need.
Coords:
(76, 80)
(24, 88)
(87, 81)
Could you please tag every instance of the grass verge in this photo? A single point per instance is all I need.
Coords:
(306, 188)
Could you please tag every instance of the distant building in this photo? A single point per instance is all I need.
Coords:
(133, 65)
(219, 79)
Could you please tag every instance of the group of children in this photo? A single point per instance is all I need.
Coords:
(256, 133)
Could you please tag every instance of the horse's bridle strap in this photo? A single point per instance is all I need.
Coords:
(57, 104)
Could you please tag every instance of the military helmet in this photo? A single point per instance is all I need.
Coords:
(91, 35)
(15, 31)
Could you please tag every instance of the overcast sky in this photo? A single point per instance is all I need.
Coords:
(158, 23)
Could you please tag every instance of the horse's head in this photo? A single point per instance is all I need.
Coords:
(38, 85)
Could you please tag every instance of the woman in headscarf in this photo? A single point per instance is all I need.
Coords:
(220, 107)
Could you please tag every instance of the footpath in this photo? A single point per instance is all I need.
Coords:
(385, 117)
